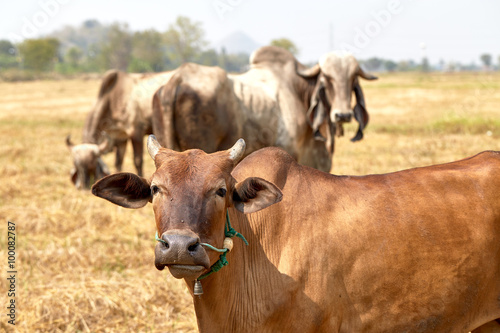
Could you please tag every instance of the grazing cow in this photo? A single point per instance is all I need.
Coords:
(278, 102)
(88, 165)
(409, 251)
(123, 111)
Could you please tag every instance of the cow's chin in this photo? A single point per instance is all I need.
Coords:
(190, 272)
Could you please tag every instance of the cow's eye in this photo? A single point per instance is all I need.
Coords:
(154, 189)
(221, 192)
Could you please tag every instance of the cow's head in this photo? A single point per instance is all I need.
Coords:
(88, 166)
(337, 76)
(190, 192)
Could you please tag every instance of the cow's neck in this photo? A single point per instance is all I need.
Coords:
(304, 89)
(225, 300)
(249, 293)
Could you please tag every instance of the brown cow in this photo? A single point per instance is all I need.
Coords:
(410, 251)
(278, 102)
(123, 111)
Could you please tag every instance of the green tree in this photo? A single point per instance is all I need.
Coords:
(208, 58)
(373, 64)
(405, 65)
(486, 60)
(39, 54)
(147, 52)
(7, 48)
(73, 56)
(222, 58)
(115, 51)
(92, 60)
(286, 44)
(72, 61)
(425, 65)
(236, 63)
(390, 65)
(185, 40)
(8, 57)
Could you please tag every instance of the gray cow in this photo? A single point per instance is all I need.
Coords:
(277, 102)
(123, 111)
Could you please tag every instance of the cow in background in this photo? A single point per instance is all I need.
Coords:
(122, 111)
(197, 108)
(88, 167)
(278, 102)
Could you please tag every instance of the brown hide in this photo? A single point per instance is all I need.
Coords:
(410, 251)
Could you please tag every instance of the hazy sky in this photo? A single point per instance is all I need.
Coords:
(457, 30)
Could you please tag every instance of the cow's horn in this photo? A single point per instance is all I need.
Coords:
(153, 146)
(309, 72)
(237, 151)
(365, 75)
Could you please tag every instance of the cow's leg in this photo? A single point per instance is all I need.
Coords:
(138, 146)
(121, 146)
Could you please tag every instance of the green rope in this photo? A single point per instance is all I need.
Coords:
(204, 244)
(159, 239)
(230, 232)
(217, 266)
(214, 248)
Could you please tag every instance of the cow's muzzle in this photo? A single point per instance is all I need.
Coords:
(343, 117)
(182, 254)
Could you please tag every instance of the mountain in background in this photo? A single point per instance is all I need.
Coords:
(237, 42)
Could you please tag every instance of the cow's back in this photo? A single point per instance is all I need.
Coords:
(197, 108)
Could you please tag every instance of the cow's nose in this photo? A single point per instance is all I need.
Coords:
(180, 242)
(176, 249)
(343, 117)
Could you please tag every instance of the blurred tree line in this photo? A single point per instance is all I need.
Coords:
(93, 47)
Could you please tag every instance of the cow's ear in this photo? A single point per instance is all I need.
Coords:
(254, 194)
(124, 189)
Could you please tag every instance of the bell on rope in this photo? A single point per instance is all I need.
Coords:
(198, 289)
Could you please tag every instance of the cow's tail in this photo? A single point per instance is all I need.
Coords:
(164, 101)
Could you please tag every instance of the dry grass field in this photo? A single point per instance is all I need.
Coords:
(85, 265)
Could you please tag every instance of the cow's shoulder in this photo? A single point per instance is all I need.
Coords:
(270, 163)
(272, 54)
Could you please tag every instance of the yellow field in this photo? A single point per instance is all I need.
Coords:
(86, 265)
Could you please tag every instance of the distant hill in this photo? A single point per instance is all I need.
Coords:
(237, 42)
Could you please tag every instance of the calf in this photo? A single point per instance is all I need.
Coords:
(88, 165)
